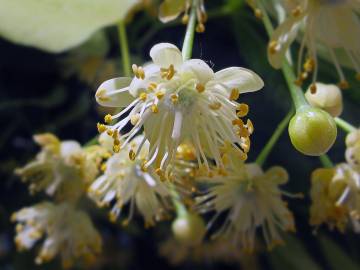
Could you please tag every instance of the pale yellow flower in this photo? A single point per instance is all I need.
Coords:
(61, 169)
(180, 101)
(252, 200)
(335, 194)
(352, 153)
(66, 232)
(126, 181)
(333, 23)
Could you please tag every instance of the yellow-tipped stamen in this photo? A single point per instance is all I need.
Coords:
(273, 46)
(101, 128)
(174, 98)
(143, 96)
(234, 95)
(200, 87)
(242, 110)
(154, 108)
(215, 106)
(108, 118)
(132, 155)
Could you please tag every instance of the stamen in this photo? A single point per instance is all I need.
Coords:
(200, 87)
(243, 110)
(296, 11)
(313, 88)
(160, 94)
(134, 119)
(101, 128)
(132, 155)
(116, 148)
(108, 118)
(152, 86)
(200, 28)
(143, 96)
(273, 47)
(101, 95)
(234, 95)
(215, 106)
(154, 108)
(174, 98)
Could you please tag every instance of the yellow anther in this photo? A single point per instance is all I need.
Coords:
(132, 155)
(258, 13)
(304, 75)
(243, 132)
(143, 96)
(200, 28)
(313, 88)
(143, 166)
(171, 72)
(174, 98)
(141, 73)
(296, 11)
(110, 132)
(116, 148)
(103, 167)
(115, 134)
(101, 128)
(250, 126)
(234, 95)
(200, 87)
(160, 94)
(309, 65)
(116, 142)
(152, 86)
(215, 106)
(135, 69)
(186, 151)
(154, 108)
(108, 118)
(101, 95)
(243, 110)
(161, 174)
(298, 82)
(344, 84)
(134, 119)
(273, 47)
(238, 122)
(112, 217)
(245, 144)
(185, 19)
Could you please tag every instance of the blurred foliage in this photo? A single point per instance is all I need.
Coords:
(41, 92)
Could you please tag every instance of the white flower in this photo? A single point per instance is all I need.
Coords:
(352, 153)
(125, 180)
(177, 101)
(335, 194)
(61, 169)
(66, 231)
(252, 199)
(333, 23)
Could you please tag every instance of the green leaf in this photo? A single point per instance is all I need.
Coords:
(336, 257)
(58, 25)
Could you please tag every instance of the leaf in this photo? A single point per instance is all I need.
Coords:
(58, 25)
(336, 257)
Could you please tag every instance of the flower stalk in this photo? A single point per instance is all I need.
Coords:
(274, 138)
(124, 48)
(296, 93)
(341, 123)
(326, 161)
(190, 33)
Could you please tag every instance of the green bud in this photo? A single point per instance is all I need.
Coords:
(189, 229)
(312, 131)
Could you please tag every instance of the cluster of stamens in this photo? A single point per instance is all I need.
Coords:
(201, 15)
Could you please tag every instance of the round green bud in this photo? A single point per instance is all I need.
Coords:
(312, 131)
(189, 229)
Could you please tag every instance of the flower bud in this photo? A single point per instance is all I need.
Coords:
(312, 131)
(189, 229)
(327, 97)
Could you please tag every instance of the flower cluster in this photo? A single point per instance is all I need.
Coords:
(66, 231)
(178, 101)
(335, 192)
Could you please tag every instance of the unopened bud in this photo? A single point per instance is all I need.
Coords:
(312, 131)
(189, 229)
(327, 97)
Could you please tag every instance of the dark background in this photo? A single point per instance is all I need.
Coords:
(41, 92)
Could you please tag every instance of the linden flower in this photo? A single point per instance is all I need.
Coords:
(318, 16)
(252, 199)
(171, 9)
(61, 168)
(125, 180)
(180, 101)
(352, 153)
(335, 194)
(66, 231)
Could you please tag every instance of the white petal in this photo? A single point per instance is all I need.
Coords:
(202, 70)
(242, 79)
(284, 35)
(70, 148)
(165, 54)
(114, 93)
(152, 74)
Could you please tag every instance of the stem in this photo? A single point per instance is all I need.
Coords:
(296, 93)
(326, 161)
(347, 127)
(190, 33)
(274, 138)
(124, 48)
(179, 207)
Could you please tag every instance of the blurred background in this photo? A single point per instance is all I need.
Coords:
(54, 92)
